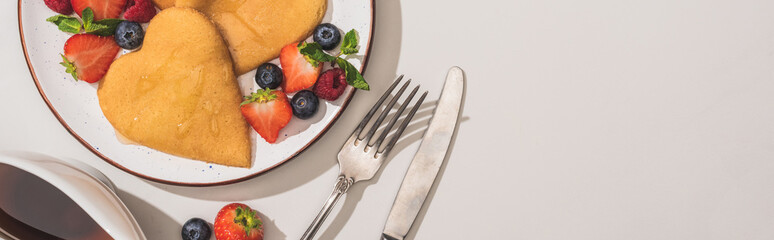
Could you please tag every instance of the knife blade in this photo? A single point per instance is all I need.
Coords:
(423, 169)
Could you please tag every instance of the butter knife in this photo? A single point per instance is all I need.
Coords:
(428, 159)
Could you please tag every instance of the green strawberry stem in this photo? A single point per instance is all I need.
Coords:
(247, 219)
(259, 96)
(69, 67)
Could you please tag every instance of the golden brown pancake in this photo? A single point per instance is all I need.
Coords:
(256, 30)
(164, 4)
(179, 94)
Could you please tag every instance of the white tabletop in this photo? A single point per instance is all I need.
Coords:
(595, 119)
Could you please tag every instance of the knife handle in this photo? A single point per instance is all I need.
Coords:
(387, 237)
(342, 186)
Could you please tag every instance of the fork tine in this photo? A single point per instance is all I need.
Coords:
(394, 119)
(371, 112)
(403, 125)
(386, 111)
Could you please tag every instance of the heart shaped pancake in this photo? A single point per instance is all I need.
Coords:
(179, 94)
(256, 30)
(164, 4)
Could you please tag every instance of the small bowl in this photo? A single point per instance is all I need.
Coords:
(42, 197)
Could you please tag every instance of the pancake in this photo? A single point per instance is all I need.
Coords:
(164, 4)
(178, 94)
(256, 30)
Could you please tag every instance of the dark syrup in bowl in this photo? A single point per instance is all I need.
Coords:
(31, 208)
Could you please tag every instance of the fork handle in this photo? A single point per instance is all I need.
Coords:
(342, 186)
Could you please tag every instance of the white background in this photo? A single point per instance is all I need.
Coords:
(583, 120)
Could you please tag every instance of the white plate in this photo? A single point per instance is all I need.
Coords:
(76, 106)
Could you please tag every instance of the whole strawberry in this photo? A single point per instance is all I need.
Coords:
(267, 111)
(237, 221)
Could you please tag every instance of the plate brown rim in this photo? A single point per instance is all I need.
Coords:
(119, 166)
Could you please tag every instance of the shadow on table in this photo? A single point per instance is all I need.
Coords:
(380, 72)
(270, 229)
(151, 217)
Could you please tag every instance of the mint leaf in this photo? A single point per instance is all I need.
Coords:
(349, 45)
(66, 23)
(87, 15)
(314, 54)
(56, 18)
(104, 27)
(353, 75)
(94, 28)
(69, 67)
(348, 51)
(112, 22)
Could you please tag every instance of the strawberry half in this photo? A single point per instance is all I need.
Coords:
(87, 57)
(267, 111)
(299, 73)
(237, 221)
(102, 8)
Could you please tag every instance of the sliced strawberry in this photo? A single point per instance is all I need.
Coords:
(237, 221)
(268, 111)
(102, 8)
(88, 56)
(299, 73)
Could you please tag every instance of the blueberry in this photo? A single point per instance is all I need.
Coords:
(196, 229)
(129, 35)
(268, 75)
(304, 104)
(327, 35)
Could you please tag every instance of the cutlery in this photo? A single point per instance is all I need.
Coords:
(421, 174)
(359, 159)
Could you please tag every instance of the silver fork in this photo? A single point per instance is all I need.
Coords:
(359, 160)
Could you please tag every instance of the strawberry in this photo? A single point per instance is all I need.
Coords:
(88, 57)
(299, 73)
(267, 111)
(102, 8)
(237, 221)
